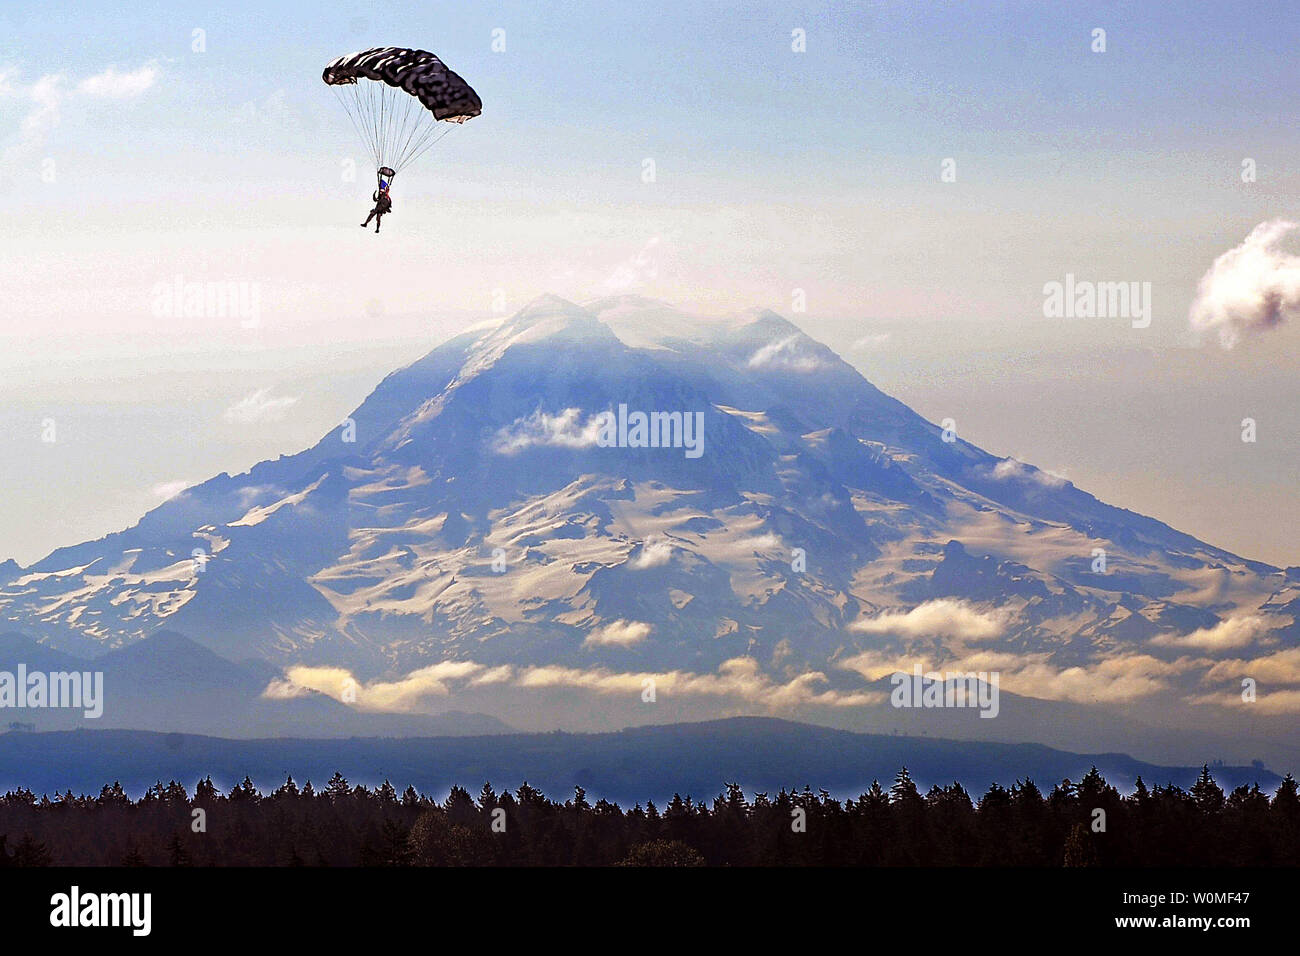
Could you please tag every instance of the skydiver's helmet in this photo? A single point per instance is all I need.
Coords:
(383, 186)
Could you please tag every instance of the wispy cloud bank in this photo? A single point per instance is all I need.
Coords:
(1113, 680)
(48, 94)
(739, 679)
(1231, 632)
(114, 84)
(635, 272)
(259, 406)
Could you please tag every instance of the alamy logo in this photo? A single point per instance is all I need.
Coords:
(651, 430)
(74, 908)
(1083, 299)
(956, 689)
(55, 689)
(235, 298)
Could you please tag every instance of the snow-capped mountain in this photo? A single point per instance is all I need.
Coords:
(495, 517)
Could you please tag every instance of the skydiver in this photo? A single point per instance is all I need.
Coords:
(383, 205)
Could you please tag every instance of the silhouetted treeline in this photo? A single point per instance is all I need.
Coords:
(1086, 823)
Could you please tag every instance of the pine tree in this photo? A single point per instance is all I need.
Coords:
(1207, 795)
(1078, 848)
(29, 852)
(337, 789)
(177, 855)
(133, 857)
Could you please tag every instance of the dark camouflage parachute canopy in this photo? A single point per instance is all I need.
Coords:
(396, 129)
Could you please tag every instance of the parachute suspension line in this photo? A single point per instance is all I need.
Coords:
(396, 134)
(414, 134)
(426, 147)
(385, 119)
(375, 99)
(364, 104)
(407, 126)
(374, 116)
(400, 122)
(354, 116)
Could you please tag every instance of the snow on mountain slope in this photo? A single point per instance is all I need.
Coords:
(468, 524)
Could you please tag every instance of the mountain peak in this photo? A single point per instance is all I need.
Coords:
(547, 316)
(484, 514)
(549, 302)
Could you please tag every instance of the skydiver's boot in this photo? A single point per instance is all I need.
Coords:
(368, 218)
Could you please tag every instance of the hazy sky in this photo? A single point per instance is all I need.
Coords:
(129, 159)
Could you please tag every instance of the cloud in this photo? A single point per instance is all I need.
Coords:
(404, 695)
(1231, 632)
(1281, 667)
(636, 272)
(941, 618)
(1272, 702)
(1250, 288)
(1009, 469)
(1113, 680)
(618, 633)
(48, 94)
(259, 406)
(170, 489)
(563, 430)
(284, 689)
(252, 493)
(739, 678)
(653, 554)
(115, 85)
(787, 353)
(870, 342)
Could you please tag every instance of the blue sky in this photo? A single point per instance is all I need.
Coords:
(775, 171)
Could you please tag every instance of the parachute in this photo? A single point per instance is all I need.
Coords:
(396, 98)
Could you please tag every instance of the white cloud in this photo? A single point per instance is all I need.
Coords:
(113, 84)
(259, 406)
(787, 353)
(739, 678)
(48, 94)
(1009, 469)
(563, 430)
(283, 689)
(870, 342)
(1231, 632)
(1113, 680)
(1271, 702)
(941, 618)
(1250, 288)
(405, 695)
(618, 633)
(653, 554)
(1281, 667)
(170, 489)
(636, 272)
